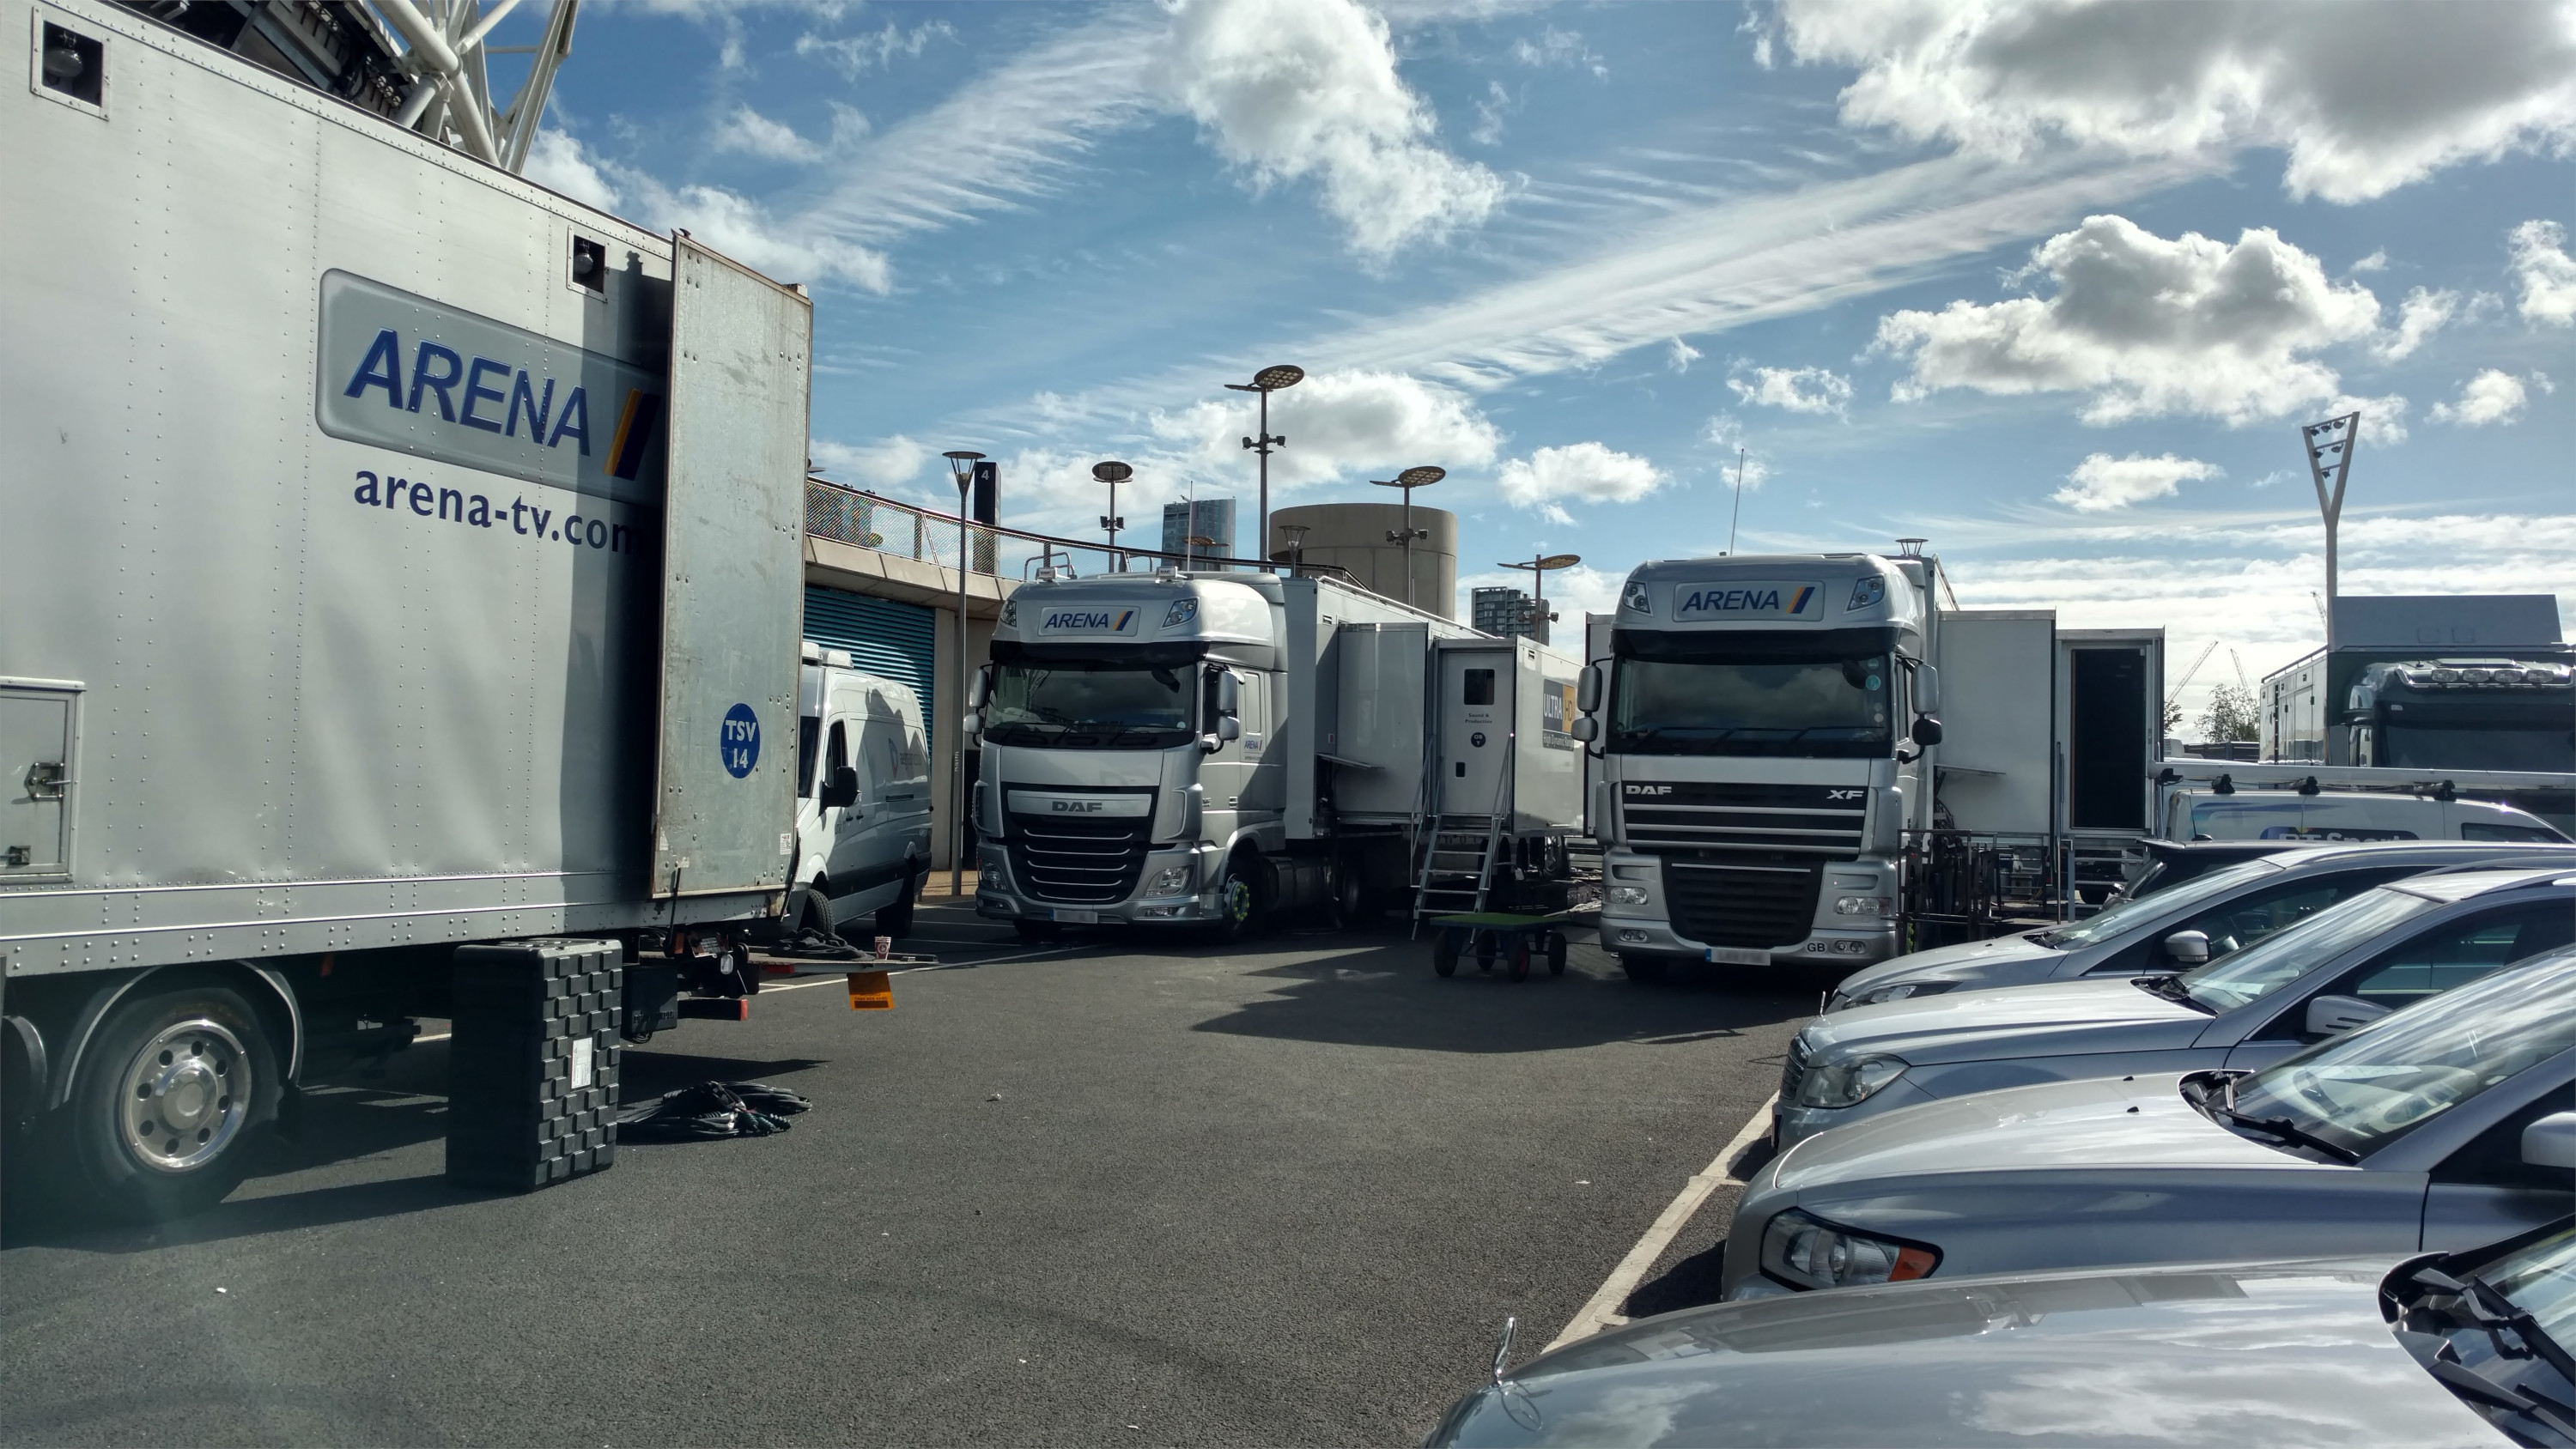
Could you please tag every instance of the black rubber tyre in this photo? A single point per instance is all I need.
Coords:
(1643, 968)
(173, 1097)
(1444, 953)
(1038, 930)
(1518, 959)
(812, 912)
(1350, 897)
(1238, 903)
(1555, 953)
(1489, 949)
(896, 920)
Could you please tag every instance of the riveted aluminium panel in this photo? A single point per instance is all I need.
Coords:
(733, 580)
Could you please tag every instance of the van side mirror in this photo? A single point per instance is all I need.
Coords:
(842, 789)
(979, 687)
(1927, 689)
(1229, 694)
(1927, 730)
(1587, 690)
(2335, 1015)
(2188, 948)
(1585, 728)
(2551, 1142)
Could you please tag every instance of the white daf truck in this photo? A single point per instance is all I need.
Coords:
(1195, 748)
(401, 556)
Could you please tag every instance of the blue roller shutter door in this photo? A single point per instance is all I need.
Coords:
(884, 637)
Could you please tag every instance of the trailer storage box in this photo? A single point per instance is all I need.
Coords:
(532, 1069)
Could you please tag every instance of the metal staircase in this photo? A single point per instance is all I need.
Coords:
(1455, 847)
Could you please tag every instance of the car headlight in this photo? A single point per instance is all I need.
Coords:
(1899, 991)
(1845, 1084)
(1171, 882)
(1813, 1253)
(1862, 906)
(1627, 895)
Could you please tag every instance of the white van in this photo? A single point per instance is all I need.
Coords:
(862, 799)
(2344, 815)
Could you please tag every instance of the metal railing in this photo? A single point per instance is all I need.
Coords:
(853, 516)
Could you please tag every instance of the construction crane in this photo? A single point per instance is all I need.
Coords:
(2241, 681)
(2206, 650)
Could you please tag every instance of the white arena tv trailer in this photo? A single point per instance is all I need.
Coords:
(401, 556)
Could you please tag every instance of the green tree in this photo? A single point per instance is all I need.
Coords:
(2231, 715)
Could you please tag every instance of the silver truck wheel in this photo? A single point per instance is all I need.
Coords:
(170, 1099)
(187, 1094)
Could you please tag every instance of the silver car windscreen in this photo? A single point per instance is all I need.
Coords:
(2290, 953)
(2116, 919)
(2364, 1091)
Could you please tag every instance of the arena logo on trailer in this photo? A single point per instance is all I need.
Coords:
(400, 371)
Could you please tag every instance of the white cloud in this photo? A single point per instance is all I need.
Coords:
(1339, 425)
(1292, 89)
(1491, 112)
(1797, 390)
(2101, 482)
(2490, 397)
(2364, 98)
(1681, 355)
(559, 163)
(2421, 315)
(1742, 467)
(2148, 327)
(1577, 472)
(2376, 262)
(885, 463)
(748, 131)
(857, 54)
(732, 224)
(2546, 273)
(1559, 47)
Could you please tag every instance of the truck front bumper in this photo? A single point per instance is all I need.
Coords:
(1633, 921)
(1178, 884)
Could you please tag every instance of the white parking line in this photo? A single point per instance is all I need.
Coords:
(861, 964)
(1603, 1310)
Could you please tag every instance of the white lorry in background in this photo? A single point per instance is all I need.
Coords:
(403, 557)
(862, 800)
(1788, 746)
(1207, 748)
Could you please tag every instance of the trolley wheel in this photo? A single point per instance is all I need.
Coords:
(1488, 947)
(1520, 957)
(1555, 953)
(1444, 953)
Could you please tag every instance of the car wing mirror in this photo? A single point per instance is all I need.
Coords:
(2551, 1142)
(2335, 1015)
(842, 789)
(1585, 728)
(2188, 948)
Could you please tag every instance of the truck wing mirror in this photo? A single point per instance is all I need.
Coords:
(2188, 948)
(2551, 1142)
(2335, 1015)
(973, 723)
(842, 789)
(1587, 690)
(1927, 689)
(1585, 728)
(1229, 728)
(1927, 730)
(1229, 694)
(979, 688)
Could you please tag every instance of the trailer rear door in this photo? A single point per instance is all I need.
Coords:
(733, 577)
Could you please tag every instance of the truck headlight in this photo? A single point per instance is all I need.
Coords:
(1846, 1084)
(1628, 895)
(1171, 882)
(1813, 1253)
(1861, 906)
(1901, 991)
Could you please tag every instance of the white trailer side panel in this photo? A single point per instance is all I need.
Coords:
(337, 689)
(1997, 753)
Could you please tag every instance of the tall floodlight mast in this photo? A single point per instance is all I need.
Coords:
(1265, 382)
(961, 466)
(1408, 480)
(2330, 446)
(1538, 568)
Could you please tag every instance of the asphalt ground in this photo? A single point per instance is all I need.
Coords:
(1130, 1191)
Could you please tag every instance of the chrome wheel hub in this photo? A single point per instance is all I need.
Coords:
(186, 1096)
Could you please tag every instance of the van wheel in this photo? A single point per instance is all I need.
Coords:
(171, 1100)
(896, 920)
(813, 913)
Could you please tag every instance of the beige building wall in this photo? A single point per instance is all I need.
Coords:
(1353, 536)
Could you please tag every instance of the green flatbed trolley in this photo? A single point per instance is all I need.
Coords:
(1508, 939)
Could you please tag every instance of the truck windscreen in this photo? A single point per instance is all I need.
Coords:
(2448, 747)
(1839, 706)
(1089, 704)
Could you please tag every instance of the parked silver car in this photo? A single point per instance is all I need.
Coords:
(2175, 927)
(2350, 963)
(2275, 1354)
(2442, 1126)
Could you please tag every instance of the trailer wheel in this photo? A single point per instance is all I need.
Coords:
(1444, 953)
(171, 1098)
(1555, 953)
(1642, 968)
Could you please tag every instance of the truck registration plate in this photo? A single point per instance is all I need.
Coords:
(1738, 956)
(1092, 918)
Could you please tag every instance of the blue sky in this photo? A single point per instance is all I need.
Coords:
(2050, 285)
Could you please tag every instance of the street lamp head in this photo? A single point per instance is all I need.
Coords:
(1551, 561)
(1421, 477)
(961, 455)
(1272, 379)
(1112, 472)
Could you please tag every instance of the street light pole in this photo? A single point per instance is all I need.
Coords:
(961, 464)
(1265, 382)
(1538, 569)
(1408, 480)
(2335, 437)
(1113, 473)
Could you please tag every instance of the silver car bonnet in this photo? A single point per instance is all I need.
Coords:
(2270, 1354)
(1942, 962)
(2106, 1123)
(2009, 1021)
